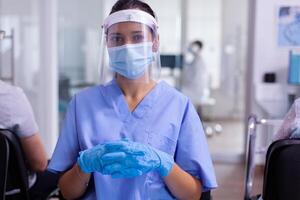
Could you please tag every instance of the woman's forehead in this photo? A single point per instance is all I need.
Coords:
(127, 27)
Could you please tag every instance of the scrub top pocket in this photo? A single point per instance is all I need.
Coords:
(164, 140)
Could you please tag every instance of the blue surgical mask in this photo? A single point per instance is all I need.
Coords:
(131, 60)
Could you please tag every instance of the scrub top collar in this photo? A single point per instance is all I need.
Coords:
(114, 96)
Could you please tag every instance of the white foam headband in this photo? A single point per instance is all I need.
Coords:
(130, 15)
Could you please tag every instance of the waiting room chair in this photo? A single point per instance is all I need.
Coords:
(13, 172)
(282, 171)
(14, 184)
(206, 196)
(282, 168)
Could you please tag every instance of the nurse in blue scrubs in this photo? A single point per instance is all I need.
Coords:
(134, 136)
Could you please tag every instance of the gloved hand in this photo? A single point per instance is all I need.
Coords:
(90, 160)
(128, 159)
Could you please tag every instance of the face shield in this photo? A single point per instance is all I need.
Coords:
(130, 47)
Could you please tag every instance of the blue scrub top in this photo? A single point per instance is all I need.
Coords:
(164, 119)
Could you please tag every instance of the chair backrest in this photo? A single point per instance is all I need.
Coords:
(282, 171)
(4, 154)
(206, 195)
(14, 177)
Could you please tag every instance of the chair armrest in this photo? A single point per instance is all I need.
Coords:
(205, 195)
(250, 165)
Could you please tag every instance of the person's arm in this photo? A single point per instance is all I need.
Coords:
(138, 158)
(24, 125)
(34, 152)
(182, 185)
(73, 183)
(193, 158)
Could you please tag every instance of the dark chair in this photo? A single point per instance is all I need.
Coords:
(282, 165)
(13, 172)
(205, 196)
(282, 171)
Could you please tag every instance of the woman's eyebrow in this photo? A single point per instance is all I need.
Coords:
(114, 34)
(136, 32)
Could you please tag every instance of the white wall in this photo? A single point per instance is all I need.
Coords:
(233, 52)
(169, 18)
(266, 56)
(48, 74)
(79, 33)
(234, 46)
(204, 22)
(34, 23)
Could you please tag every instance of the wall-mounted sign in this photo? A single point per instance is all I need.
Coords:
(289, 26)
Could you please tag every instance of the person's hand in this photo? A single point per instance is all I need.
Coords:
(126, 159)
(90, 160)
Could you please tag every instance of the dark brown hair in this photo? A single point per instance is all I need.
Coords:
(198, 43)
(132, 4)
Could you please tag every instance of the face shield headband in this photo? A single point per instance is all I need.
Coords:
(130, 15)
(128, 59)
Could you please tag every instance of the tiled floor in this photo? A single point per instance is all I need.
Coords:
(230, 178)
(230, 140)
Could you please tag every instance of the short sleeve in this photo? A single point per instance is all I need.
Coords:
(67, 147)
(290, 127)
(192, 153)
(21, 117)
(285, 127)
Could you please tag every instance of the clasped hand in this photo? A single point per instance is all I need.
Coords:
(125, 159)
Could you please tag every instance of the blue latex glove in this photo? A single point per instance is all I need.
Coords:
(90, 159)
(128, 159)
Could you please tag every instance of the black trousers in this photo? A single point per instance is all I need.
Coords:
(45, 184)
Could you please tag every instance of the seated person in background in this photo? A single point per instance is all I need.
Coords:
(16, 115)
(290, 128)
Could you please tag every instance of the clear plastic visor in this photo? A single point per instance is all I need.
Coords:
(130, 53)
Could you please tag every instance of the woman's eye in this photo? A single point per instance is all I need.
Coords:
(116, 39)
(138, 38)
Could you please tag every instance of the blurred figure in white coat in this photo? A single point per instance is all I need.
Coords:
(195, 82)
